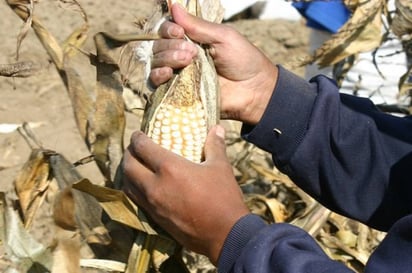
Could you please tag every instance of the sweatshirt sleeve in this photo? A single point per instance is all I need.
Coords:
(252, 246)
(338, 148)
(346, 154)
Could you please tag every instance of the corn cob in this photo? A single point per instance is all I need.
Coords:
(179, 112)
(180, 122)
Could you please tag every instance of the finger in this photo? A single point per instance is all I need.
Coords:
(151, 154)
(172, 58)
(171, 30)
(135, 194)
(196, 28)
(136, 173)
(215, 147)
(160, 75)
(133, 167)
(173, 44)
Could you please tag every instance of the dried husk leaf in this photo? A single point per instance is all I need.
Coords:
(203, 80)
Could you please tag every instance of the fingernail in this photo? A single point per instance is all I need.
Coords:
(220, 131)
(188, 46)
(173, 32)
(177, 4)
(178, 56)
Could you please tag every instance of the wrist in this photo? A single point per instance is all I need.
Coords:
(215, 248)
(239, 236)
(253, 111)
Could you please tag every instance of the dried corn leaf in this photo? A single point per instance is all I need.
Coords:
(151, 251)
(83, 101)
(67, 252)
(75, 41)
(88, 211)
(105, 265)
(117, 205)
(334, 242)
(404, 82)
(68, 240)
(269, 208)
(20, 69)
(107, 121)
(81, 98)
(26, 26)
(402, 21)
(32, 183)
(361, 33)
(276, 176)
(73, 5)
(23, 250)
(313, 219)
(148, 248)
(21, 8)
(64, 210)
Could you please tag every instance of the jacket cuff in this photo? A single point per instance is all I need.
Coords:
(286, 118)
(244, 229)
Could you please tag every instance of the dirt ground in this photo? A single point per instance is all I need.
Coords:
(42, 99)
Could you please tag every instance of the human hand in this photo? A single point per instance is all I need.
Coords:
(197, 204)
(247, 78)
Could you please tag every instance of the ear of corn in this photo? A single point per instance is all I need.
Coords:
(177, 118)
(180, 112)
(179, 123)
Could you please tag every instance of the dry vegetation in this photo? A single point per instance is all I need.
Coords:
(48, 225)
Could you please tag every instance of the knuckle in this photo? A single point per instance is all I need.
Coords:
(154, 197)
(139, 141)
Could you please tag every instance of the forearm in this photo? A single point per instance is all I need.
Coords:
(253, 246)
(338, 148)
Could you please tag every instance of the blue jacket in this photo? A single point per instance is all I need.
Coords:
(327, 15)
(345, 153)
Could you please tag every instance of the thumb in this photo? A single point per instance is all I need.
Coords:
(196, 28)
(215, 147)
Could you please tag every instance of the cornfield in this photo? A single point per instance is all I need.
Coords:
(63, 214)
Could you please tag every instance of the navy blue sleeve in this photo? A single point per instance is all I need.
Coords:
(254, 247)
(340, 149)
(346, 154)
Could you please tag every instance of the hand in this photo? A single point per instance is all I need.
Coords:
(246, 76)
(197, 204)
